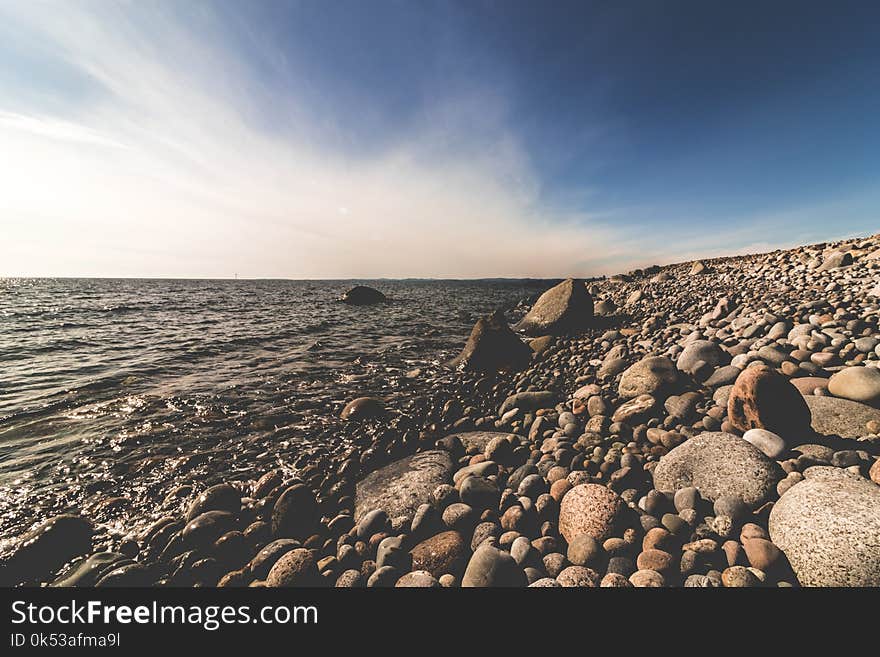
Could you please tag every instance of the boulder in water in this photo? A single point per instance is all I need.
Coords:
(46, 548)
(361, 295)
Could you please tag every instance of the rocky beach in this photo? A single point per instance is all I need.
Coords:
(713, 423)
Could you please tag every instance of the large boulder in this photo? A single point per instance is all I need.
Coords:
(840, 417)
(829, 528)
(563, 308)
(361, 295)
(859, 384)
(492, 347)
(719, 464)
(654, 375)
(590, 509)
(43, 550)
(401, 487)
(762, 398)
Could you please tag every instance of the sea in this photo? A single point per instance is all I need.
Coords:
(123, 388)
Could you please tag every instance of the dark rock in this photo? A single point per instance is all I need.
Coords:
(492, 347)
(295, 513)
(44, 549)
(363, 408)
(361, 295)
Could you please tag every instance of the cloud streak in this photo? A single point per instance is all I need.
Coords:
(170, 169)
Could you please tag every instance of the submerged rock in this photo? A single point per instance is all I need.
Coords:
(363, 408)
(43, 550)
(563, 308)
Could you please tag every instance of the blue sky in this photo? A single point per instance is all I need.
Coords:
(445, 139)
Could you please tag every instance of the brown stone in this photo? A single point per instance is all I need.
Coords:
(762, 554)
(296, 568)
(874, 472)
(589, 509)
(657, 560)
(763, 399)
(444, 553)
(363, 408)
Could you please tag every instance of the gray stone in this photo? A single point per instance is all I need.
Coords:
(401, 487)
(650, 376)
(528, 401)
(490, 566)
(829, 528)
(719, 464)
(701, 350)
(564, 307)
(767, 441)
(842, 417)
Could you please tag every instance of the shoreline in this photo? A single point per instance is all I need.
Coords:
(575, 487)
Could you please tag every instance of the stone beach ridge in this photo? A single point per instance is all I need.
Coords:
(705, 424)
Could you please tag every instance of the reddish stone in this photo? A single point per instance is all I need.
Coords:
(761, 398)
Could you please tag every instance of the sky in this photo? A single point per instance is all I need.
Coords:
(434, 139)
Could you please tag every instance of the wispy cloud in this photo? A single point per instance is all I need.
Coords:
(174, 159)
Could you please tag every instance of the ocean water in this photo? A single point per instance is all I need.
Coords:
(124, 388)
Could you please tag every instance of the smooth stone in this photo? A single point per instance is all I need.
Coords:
(263, 561)
(701, 350)
(722, 376)
(294, 568)
(763, 399)
(490, 566)
(768, 442)
(295, 513)
(841, 417)
(719, 464)
(653, 375)
(363, 408)
(401, 487)
(44, 549)
(479, 493)
(419, 579)
(828, 526)
(858, 384)
(444, 553)
(590, 509)
(88, 571)
(221, 497)
(528, 401)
